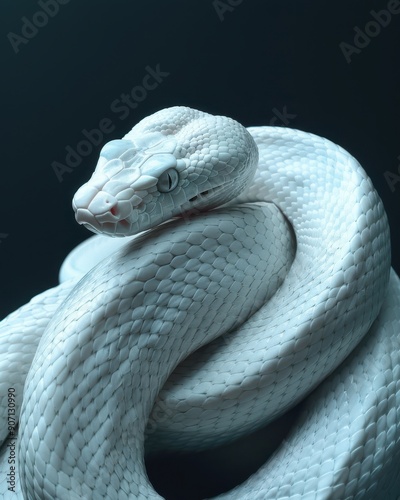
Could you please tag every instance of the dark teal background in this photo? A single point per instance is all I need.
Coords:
(251, 62)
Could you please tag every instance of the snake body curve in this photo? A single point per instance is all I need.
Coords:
(337, 284)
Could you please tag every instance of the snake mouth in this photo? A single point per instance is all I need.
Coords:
(121, 228)
(200, 195)
(206, 194)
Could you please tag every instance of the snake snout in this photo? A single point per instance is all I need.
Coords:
(100, 211)
(92, 199)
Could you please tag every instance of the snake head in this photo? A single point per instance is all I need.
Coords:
(128, 190)
(176, 161)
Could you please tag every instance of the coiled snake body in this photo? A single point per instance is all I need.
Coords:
(105, 355)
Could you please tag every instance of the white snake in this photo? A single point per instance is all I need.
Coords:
(106, 353)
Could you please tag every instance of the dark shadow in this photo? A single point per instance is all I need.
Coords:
(194, 476)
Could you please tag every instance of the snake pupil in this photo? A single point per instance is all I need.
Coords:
(168, 181)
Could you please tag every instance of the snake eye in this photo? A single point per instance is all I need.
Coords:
(168, 181)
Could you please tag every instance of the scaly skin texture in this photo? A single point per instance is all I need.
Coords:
(107, 352)
(120, 345)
